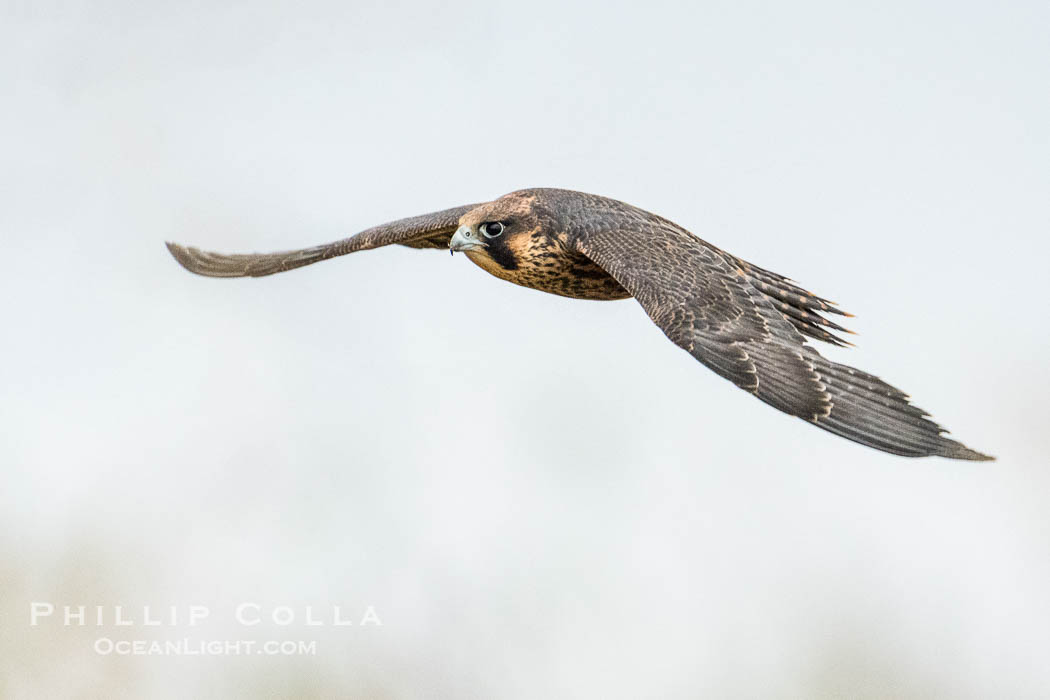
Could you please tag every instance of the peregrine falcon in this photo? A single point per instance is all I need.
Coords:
(745, 323)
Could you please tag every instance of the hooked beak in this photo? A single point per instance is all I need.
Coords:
(465, 239)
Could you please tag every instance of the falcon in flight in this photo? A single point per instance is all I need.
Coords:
(745, 323)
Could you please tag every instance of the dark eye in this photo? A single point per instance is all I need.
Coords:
(491, 229)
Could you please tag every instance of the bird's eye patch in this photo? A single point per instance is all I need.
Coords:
(491, 229)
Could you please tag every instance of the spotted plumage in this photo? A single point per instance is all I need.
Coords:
(745, 323)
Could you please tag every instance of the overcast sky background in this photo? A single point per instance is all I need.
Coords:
(539, 497)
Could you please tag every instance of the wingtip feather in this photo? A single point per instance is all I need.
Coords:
(957, 450)
(183, 255)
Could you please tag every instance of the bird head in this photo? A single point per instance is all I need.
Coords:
(499, 233)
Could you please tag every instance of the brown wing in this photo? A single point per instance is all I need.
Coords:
(727, 315)
(426, 231)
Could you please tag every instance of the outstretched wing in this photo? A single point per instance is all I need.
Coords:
(727, 315)
(426, 231)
